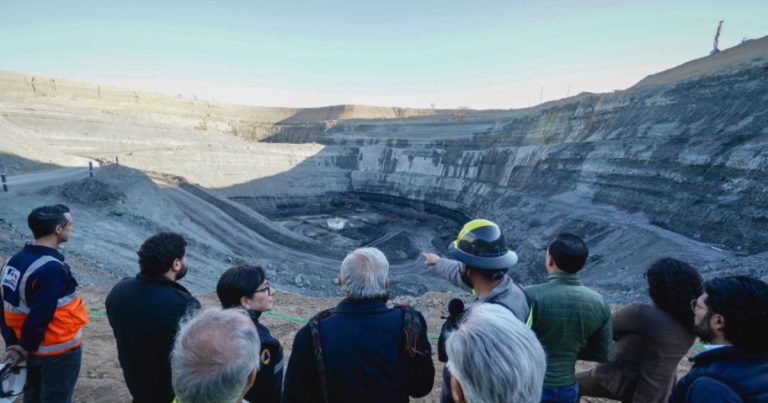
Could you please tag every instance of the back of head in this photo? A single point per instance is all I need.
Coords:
(364, 274)
(495, 358)
(569, 252)
(672, 284)
(743, 302)
(43, 220)
(213, 355)
(157, 253)
(238, 282)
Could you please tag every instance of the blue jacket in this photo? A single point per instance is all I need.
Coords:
(361, 345)
(43, 289)
(724, 375)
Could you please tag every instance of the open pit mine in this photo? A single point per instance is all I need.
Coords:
(676, 165)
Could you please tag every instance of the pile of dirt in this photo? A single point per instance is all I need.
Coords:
(92, 192)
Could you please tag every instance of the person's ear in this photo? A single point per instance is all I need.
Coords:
(251, 378)
(386, 283)
(456, 391)
(550, 261)
(243, 300)
(177, 265)
(717, 322)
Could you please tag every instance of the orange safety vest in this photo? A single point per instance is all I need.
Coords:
(64, 331)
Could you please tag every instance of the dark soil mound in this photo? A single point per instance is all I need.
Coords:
(92, 192)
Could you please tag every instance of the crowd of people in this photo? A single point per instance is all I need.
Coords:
(509, 344)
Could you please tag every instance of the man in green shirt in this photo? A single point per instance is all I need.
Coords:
(571, 321)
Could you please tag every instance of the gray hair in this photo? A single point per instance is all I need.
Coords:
(213, 355)
(364, 273)
(495, 357)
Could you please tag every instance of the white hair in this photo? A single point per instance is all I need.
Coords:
(364, 273)
(495, 358)
(213, 355)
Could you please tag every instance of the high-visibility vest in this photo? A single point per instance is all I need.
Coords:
(64, 331)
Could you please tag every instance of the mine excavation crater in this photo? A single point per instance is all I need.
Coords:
(659, 169)
(401, 228)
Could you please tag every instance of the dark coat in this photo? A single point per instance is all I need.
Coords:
(649, 346)
(144, 313)
(268, 386)
(361, 345)
(724, 375)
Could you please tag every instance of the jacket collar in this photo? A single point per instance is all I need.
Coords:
(43, 250)
(564, 278)
(500, 288)
(161, 279)
(723, 354)
(350, 305)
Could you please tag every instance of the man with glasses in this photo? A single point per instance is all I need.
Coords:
(144, 313)
(731, 317)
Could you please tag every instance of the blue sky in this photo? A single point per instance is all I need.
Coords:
(479, 54)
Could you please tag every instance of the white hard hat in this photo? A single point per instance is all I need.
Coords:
(12, 379)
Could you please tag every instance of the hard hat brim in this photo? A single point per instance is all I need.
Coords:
(504, 261)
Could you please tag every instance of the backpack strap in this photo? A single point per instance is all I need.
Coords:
(414, 329)
(314, 328)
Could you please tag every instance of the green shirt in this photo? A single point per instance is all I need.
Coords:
(572, 322)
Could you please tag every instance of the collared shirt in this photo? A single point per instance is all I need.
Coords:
(572, 322)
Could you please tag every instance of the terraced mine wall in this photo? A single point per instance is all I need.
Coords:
(674, 166)
(692, 157)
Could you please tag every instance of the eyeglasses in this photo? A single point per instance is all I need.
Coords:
(266, 289)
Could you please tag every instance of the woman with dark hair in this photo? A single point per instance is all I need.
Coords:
(246, 287)
(649, 339)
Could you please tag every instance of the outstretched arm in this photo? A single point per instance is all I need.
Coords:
(448, 269)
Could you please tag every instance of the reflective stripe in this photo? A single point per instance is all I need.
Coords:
(9, 308)
(66, 299)
(474, 224)
(529, 321)
(56, 348)
(30, 270)
(23, 308)
(278, 367)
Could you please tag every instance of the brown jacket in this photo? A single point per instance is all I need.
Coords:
(649, 344)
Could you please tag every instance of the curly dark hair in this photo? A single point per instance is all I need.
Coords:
(237, 282)
(672, 284)
(743, 302)
(157, 253)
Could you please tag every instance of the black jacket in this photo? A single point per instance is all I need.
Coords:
(363, 359)
(724, 375)
(268, 386)
(144, 313)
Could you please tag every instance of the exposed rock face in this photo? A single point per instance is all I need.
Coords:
(675, 166)
(692, 157)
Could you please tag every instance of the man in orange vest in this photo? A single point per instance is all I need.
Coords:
(42, 316)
